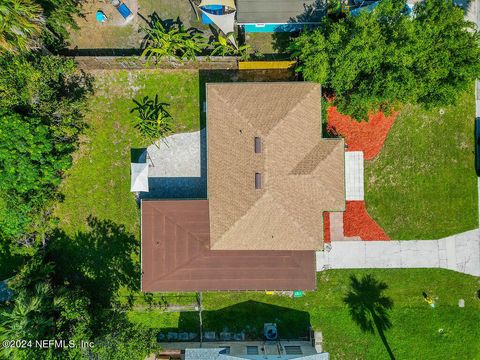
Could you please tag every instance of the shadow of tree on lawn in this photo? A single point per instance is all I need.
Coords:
(369, 306)
(100, 260)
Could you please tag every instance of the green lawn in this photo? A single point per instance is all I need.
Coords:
(423, 184)
(416, 327)
(98, 184)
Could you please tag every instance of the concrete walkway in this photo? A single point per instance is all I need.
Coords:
(354, 183)
(460, 253)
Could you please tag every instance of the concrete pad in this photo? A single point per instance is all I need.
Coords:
(336, 226)
(467, 252)
(178, 167)
(354, 182)
(176, 156)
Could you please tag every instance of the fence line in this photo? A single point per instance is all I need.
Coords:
(135, 62)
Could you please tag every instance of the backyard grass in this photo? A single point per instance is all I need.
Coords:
(418, 331)
(98, 183)
(423, 184)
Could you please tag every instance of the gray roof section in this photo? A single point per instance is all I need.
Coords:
(279, 11)
(209, 354)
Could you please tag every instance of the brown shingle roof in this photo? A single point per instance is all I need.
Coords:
(176, 255)
(302, 174)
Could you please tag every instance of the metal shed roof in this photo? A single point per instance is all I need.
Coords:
(176, 255)
(278, 11)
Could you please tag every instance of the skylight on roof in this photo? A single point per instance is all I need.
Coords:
(258, 181)
(258, 145)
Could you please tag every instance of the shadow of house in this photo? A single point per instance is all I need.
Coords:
(248, 318)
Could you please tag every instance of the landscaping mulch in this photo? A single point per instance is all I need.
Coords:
(367, 136)
(326, 227)
(357, 222)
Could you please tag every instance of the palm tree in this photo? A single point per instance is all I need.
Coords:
(152, 119)
(172, 41)
(368, 306)
(29, 319)
(20, 25)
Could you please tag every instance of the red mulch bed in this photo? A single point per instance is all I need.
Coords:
(326, 227)
(357, 222)
(367, 136)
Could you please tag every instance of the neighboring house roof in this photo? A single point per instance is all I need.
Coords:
(302, 175)
(176, 255)
(278, 11)
(216, 354)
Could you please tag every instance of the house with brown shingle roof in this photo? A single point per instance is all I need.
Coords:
(301, 175)
(271, 176)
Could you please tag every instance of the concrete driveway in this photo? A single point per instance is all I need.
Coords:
(459, 252)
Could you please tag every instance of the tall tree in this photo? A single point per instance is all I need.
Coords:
(21, 24)
(378, 58)
(44, 309)
(32, 167)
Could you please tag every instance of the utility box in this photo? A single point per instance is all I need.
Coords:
(318, 339)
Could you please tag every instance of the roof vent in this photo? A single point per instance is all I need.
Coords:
(258, 145)
(258, 181)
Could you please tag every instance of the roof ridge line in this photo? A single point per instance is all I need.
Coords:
(322, 161)
(292, 218)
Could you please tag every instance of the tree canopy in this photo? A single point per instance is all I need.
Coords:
(21, 24)
(28, 24)
(41, 100)
(375, 59)
(68, 291)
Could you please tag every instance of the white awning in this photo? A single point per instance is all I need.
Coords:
(229, 3)
(225, 22)
(139, 177)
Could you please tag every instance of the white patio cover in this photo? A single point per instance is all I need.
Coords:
(225, 23)
(229, 3)
(139, 177)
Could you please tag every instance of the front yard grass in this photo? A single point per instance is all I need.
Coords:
(423, 184)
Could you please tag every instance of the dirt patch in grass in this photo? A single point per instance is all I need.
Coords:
(118, 34)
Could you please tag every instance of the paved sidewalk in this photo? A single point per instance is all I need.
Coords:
(459, 252)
